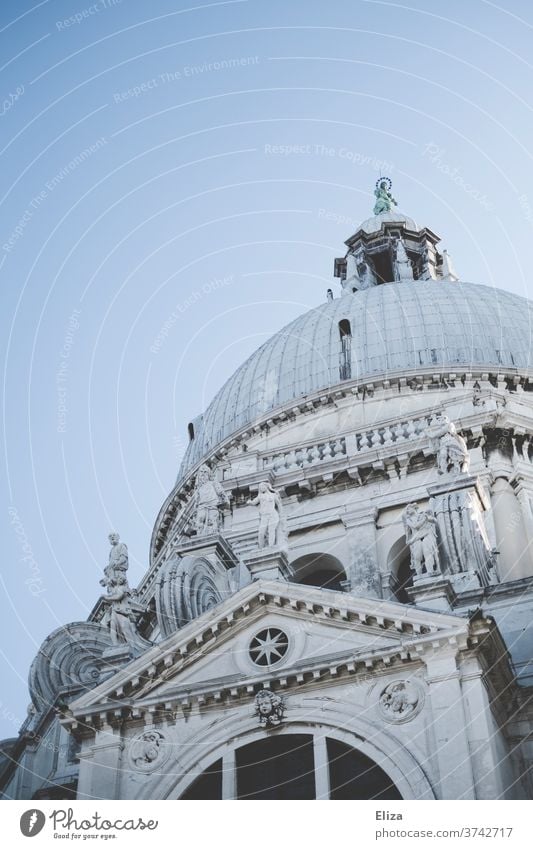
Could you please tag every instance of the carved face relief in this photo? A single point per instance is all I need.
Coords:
(270, 708)
(400, 701)
(149, 751)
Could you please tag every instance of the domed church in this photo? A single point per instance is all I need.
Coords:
(339, 598)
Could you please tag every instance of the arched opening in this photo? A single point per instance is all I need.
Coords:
(345, 359)
(285, 767)
(319, 570)
(353, 775)
(190, 428)
(401, 574)
(277, 768)
(208, 785)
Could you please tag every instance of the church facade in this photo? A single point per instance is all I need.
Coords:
(339, 598)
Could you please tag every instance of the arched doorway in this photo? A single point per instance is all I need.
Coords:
(297, 766)
(319, 570)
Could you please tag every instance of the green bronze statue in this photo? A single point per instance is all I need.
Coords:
(384, 198)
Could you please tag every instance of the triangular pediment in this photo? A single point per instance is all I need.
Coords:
(325, 631)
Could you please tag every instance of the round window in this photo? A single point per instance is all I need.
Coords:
(269, 646)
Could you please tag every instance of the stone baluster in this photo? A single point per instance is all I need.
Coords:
(387, 436)
(314, 454)
(327, 451)
(291, 463)
(375, 439)
(399, 432)
(411, 429)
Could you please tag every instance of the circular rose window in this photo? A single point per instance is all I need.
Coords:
(269, 646)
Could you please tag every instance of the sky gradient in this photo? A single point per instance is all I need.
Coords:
(176, 182)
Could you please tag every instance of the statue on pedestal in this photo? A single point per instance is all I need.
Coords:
(120, 606)
(450, 448)
(384, 198)
(118, 558)
(421, 537)
(269, 504)
(209, 497)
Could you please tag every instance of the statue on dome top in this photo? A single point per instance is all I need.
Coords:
(384, 198)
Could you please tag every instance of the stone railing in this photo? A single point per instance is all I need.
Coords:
(392, 434)
(300, 458)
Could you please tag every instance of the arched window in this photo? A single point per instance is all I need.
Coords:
(344, 328)
(285, 768)
(345, 359)
(190, 428)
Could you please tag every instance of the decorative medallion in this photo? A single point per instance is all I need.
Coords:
(270, 708)
(400, 701)
(149, 751)
(269, 647)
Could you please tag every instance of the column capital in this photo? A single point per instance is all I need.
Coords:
(359, 516)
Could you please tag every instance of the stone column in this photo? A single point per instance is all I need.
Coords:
(491, 774)
(448, 726)
(229, 775)
(524, 496)
(320, 751)
(100, 769)
(362, 571)
(511, 540)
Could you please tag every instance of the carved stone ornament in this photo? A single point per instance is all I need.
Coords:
(149, 751)
(270, 708)
(400, 701)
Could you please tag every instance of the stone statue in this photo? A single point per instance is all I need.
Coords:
(269, 504)
(119, 601)
(384, 198)
(121, 609)
(118, 559)
(421, 537)
(404, 270)
(270, 708)
(450, 448)
(399, 700)
(209, 497)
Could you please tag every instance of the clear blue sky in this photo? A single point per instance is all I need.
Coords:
(151, 149)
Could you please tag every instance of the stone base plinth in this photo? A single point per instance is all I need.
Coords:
(454, 483)
(464, 581)
(433, 592)
(268, 563)
(215, 547)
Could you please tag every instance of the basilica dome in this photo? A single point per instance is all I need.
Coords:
(382, 331)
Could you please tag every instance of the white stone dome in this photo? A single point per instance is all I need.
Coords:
(373, 225)
(395, 329)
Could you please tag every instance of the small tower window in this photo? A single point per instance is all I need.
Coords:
(345, 358)
(190, 428)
